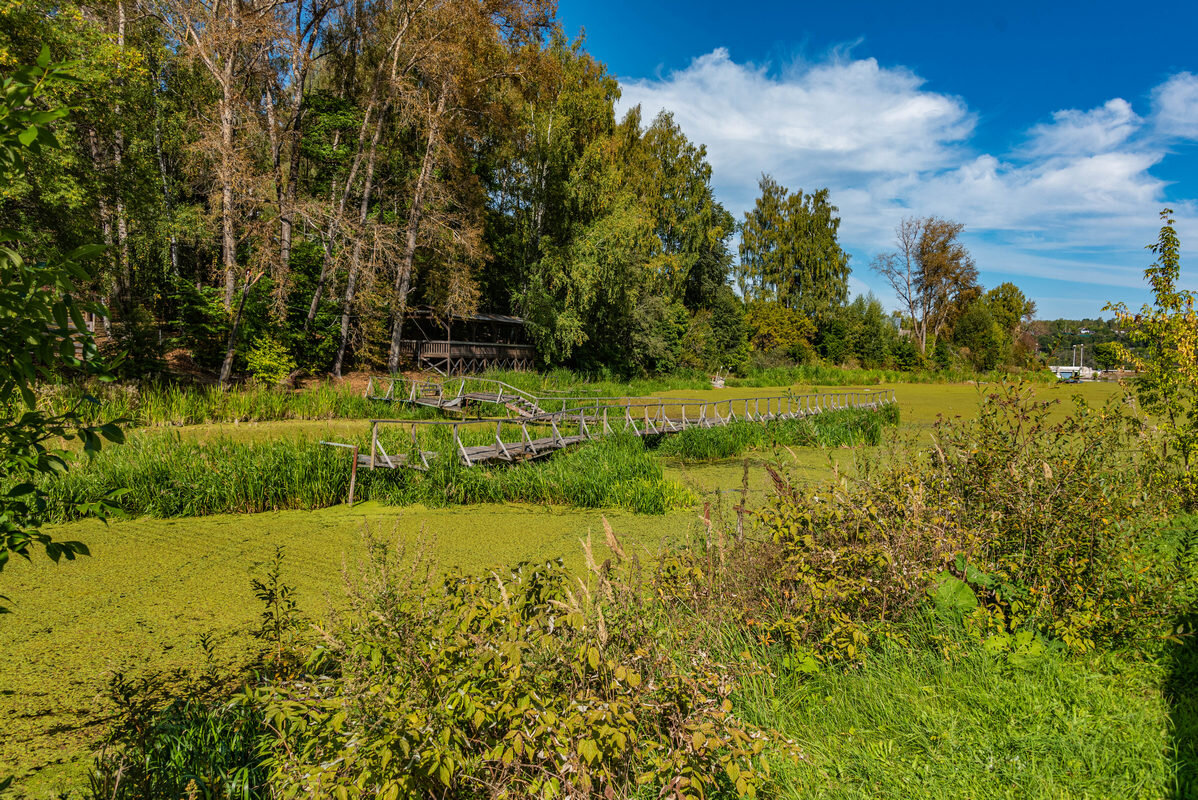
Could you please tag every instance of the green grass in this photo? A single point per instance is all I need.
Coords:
(152, 405)
(846, 428)
(915, 724)
(821, 374)
(167, 477)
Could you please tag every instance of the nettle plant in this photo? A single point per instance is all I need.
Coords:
(527, 684)
(1025, 518)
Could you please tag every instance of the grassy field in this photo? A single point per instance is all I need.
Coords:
(153, 587)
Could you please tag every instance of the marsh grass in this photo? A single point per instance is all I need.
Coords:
(845, 428)
(156, 405)
(823, 375)
(607, 385)
(166, 476)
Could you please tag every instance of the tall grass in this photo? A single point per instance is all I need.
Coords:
(165, 476)
(823, 375)
(566, 382)
(607, 385)
(849, 427)
(152, 405)
(939, 717)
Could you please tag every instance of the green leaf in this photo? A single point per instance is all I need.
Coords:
(27, 136)
(950, 593)
(112, 433)
(43, 58)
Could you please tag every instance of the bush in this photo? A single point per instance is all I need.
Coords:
(1018, 522)
(269, 362)
(520, 684)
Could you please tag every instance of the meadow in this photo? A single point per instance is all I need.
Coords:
(154, 589)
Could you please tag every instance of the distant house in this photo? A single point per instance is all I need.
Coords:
(462, 345)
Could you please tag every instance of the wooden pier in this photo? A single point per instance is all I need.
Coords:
(535, 432)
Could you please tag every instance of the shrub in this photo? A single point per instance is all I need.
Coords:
(529, 683)
(269, 362)
(1021, 522)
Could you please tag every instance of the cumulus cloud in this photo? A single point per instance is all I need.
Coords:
(1175, 106)
(850, 117)
(1073, 198)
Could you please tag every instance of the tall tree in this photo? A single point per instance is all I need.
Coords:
(789, 251)
(931, 273)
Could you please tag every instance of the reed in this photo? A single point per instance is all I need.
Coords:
(165, 476)
(845, 428)
(157, 405)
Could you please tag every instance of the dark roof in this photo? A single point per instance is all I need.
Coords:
(428, 313)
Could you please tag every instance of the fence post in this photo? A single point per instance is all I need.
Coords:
(353, 477)
(374, 440)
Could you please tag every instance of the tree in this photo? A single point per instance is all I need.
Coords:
(1167, 379)
(776, 327)
(931, 273)
(1010, 308)
(1106, 356)
(43, 333)
(789, 252)
(987, 340)
(231, 41)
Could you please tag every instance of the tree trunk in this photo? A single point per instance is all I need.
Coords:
(403, 279)
(228, 241)
(339, 212)
(226, 368)
(351, 282)
(166, 191)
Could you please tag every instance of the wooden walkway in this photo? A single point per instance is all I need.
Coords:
(453, 395)
(535, 432)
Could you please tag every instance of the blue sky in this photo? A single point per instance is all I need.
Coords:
(1055, 132)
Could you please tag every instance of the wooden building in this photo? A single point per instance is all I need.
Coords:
(462, 345)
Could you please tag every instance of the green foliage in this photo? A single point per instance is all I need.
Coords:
(269, 362)
(1010, 308)
(986, 342)
(1167, 383)
(789, 252)
(1107, 356)
(1041, 521)
(43, 334)
(776, 327)
(657, 331)
(717, 338)
(172, 741)
(522, 682)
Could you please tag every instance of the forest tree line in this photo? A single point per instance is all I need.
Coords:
(278, 183)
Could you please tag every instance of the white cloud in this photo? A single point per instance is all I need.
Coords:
(1098, 131)
(839, 117)
(1073, 199)
(1175, 106)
